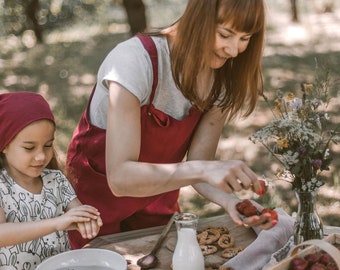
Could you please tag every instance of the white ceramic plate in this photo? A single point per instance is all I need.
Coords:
(85, 259)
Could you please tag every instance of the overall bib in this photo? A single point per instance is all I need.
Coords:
(163, 140)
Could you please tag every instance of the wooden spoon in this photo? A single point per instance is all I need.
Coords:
(150, 260)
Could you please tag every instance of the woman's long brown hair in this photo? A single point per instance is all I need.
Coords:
(241, 77)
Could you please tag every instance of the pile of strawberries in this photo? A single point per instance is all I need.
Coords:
(314, 261)
(247, 209)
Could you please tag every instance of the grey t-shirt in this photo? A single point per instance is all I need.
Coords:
(129, 65)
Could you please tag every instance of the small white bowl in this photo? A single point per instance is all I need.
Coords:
(85, 259)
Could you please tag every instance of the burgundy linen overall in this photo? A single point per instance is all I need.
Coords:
(163, 140)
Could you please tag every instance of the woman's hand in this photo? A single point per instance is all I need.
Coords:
(264, 221)
(231, 176)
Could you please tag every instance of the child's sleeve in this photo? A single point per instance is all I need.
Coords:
(67, 192)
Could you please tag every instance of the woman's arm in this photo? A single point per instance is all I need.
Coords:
(128, 177)
(204, 146)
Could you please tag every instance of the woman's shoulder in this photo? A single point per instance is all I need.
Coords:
(134, 45)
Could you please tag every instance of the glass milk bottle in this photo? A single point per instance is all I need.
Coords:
(187, 254)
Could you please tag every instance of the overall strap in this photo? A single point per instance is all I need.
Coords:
(150, 47)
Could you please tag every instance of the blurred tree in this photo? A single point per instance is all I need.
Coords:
(39, 15)
(293, 4)
(135, 10)
(32, 14)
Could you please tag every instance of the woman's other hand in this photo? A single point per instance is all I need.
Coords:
(264, 221)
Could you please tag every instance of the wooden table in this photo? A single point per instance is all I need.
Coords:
(135, 244)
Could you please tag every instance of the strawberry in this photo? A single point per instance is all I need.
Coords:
(318, 266)
(332, 266)
(249, 211)
(272, 212)
(326, 259)
(263, 187)
(298, 264)
(246, 208)
(313, 257)
(242, 205)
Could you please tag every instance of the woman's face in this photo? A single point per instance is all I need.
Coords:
(31, 150)
(228, 44)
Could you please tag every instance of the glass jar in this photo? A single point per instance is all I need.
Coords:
(308, 224)
(188, 254)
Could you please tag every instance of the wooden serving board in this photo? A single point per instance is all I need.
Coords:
(135, 244)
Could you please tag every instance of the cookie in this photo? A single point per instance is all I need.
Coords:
(230, 252)
(226, 241)
(208, 236)
(208, 249)
(221, 229)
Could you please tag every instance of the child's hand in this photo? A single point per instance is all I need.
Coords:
(78, 214)
(89, 229)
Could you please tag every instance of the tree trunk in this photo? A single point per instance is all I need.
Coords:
(31, 12)
(294, 10)
(135, 11)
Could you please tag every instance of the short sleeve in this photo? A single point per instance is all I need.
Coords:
(67, 193)
(1, 201)
(56, 183)
(128, 64)
(2, 190)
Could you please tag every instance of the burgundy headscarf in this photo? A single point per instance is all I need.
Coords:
(18, 110)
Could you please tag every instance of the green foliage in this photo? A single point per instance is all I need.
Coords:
(50, 14)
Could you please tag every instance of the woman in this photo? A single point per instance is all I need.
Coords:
(164, 97)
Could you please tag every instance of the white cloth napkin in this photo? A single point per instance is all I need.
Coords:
(281, 254)
(259, 253)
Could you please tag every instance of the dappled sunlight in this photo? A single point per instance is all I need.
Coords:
(9, 43)
(315, 31)
(260, 117)
(279, 76)
(15, 80)
(28, 39)
(81, 33)
(236, 147)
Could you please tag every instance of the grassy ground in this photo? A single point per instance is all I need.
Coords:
(64, 71)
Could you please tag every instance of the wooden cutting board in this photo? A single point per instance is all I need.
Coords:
(135, 244)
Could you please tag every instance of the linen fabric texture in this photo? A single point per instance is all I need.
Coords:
(258, 254)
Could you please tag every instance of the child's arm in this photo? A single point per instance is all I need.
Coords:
(21, 232)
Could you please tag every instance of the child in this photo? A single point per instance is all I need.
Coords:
(37, 203)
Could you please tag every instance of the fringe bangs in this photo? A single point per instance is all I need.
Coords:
(247, 15)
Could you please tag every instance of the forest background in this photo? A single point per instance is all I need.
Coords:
(78, 34)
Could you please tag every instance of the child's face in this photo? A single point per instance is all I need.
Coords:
(31, 150)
